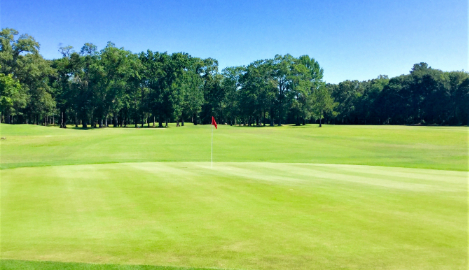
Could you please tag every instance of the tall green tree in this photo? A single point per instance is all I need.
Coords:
(282, 66)
(85, 84)
(66, 68)
(193, 84)
(11, 96)
(13, 50)
(231, 84)
(322, 102)
(213, 91)
(306, 77)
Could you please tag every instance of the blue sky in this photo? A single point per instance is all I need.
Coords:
(350, 39)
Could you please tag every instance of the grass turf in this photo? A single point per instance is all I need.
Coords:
(285, 212)
(397, 146)
(47, 265)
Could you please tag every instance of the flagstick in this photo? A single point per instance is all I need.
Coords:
(211, 150)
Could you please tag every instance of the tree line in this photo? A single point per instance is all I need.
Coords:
(113, 86)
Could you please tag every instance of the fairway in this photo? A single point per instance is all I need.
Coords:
(354, 197)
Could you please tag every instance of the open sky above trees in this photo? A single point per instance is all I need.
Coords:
(356, 40)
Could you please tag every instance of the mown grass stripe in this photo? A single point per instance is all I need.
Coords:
(49, 265)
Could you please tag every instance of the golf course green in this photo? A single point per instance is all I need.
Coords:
(290, 197)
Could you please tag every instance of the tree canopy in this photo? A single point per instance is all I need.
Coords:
(96, 88)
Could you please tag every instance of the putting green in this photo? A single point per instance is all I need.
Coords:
(276, 198)
(237, 215)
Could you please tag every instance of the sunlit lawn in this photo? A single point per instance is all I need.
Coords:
(360, 197)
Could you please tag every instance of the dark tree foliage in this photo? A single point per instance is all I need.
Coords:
(426, 96)
(112, 86)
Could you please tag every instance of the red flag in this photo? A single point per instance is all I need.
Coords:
(214, 122)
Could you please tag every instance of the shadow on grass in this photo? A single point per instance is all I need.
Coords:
(128, 127)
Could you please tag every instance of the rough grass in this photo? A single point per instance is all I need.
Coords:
(285, 209)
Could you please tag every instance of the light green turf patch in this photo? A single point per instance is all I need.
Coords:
(236, 215)
(444, 148)
(44, 265)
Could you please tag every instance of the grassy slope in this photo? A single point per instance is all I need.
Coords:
(397, 146)
(250, 215)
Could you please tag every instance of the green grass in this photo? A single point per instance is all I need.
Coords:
(46, 265)
(276, 198)
(443, 148)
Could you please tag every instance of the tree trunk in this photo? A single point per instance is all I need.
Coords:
(280, 113)
(182, 121)
(8, 119)
(263, 122)
(166, 122)
(271, 118)
(320, 117)
(153, 121)
(160, 122)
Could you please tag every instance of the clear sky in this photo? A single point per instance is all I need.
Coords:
(350, 39)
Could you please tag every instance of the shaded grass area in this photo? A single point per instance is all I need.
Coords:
(444, 148)
(238, 215)
(32, 265)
